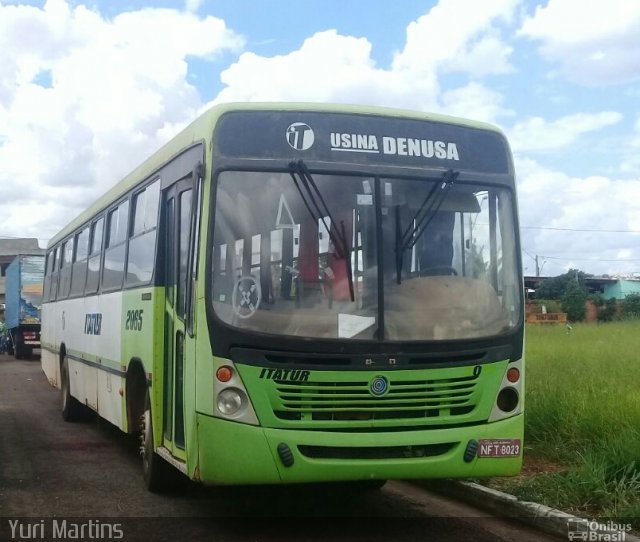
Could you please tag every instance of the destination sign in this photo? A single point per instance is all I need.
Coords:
(359, 139)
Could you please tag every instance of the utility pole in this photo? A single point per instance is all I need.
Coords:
(537, 267)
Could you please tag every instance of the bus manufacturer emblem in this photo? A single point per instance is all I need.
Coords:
(379, 386)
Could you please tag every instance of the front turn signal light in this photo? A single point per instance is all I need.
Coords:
(224, 373)
(513, 375)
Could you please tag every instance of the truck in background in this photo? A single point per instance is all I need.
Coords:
(24, 278)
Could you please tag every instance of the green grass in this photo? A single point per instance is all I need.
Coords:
(583, 416)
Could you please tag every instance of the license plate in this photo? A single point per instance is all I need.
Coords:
(501, 447)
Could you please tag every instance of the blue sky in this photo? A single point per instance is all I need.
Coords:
(88, 89)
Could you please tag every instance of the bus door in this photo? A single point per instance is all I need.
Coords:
(177, 202)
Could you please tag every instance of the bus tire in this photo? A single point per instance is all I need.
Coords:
(17, 347)
(72, 409)
(155, 470)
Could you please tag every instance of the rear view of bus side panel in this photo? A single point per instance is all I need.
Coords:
(102, 321)
(87, 332)
(50, 359)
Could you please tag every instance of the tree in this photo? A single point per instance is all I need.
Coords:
(573, 301)
(475, 261)
(554, 287)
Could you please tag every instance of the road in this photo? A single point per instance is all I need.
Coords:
(89, 475)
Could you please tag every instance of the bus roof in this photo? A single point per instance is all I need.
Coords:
(201, 129)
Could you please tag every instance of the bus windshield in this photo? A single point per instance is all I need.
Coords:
(364, 258)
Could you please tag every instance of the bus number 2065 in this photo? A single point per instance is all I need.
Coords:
(134, 320)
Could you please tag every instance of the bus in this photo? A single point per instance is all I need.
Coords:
(289, 293)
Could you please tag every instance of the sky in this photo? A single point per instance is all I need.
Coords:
(90, 89)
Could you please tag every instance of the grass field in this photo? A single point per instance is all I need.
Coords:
(582, 419)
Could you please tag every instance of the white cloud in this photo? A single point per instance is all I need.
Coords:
(459, 35)
(552, 199)
(475, 101)
(537, 134)
(631, 161)
(595, 42)
(83, 99)
(330, 67)
(327, 66)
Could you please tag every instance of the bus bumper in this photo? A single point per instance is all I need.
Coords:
(236, 453)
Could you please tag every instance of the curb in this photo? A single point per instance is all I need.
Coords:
(541, 517)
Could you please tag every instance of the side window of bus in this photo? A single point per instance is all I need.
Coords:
(184, 218)
(79, 272)
(116, 246)
(46, 289)
(142, 243)
(53, 290)
(65, 269)
(95, 252)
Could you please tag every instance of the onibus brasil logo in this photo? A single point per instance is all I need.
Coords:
(582, 529)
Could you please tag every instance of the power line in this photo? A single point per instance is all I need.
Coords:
(576, 229)
(535, 259)
(589, 259)
(569, 258)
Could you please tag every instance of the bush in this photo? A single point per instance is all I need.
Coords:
(554, 287)
(596, 299)
(573, 302)
(631, 307)
(608, 310)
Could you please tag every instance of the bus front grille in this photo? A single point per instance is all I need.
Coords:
(375, 452)
(354, 401)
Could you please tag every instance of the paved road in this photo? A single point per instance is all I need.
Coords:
(89, 474)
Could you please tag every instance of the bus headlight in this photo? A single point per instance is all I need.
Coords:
(509, 400)
(230, 401)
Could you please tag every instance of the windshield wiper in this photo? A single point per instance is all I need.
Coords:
(423, 217)
(318, 210)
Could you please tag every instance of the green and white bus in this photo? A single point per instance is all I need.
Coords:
(297, 293)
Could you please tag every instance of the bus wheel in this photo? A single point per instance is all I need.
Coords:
(155, 471)
(17, 350)
(72, 409)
